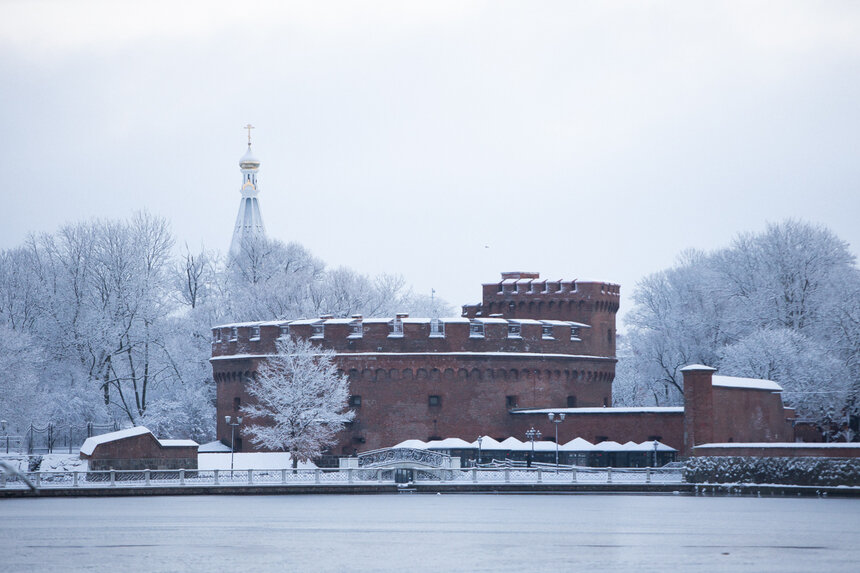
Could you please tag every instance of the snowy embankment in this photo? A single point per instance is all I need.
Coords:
(207, 461)
(46, 462)
(249, 461)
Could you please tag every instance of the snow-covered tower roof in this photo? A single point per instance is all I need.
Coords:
(249, 222)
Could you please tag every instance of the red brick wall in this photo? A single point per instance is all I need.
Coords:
(762, 416)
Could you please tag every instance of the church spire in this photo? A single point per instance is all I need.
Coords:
(249, 222)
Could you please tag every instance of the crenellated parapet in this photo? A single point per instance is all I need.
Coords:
(525, 295)
(404, 334)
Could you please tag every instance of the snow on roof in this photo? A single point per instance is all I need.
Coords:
(239, 325)
(449, 444)
(648, 447)
(414, 444)
(599, 410)
(492, 320)
(608, 446)
(376, 320)
(177, 443)
(488, 443)
(455, 320)
(511, 443)
(750, 383)
(524, 321)
(777, 445)
(303, 321)
(555, 322)
(577, 445)
(416, 320)
(340, 320)
(695, 367)
(215, 447)
(90, 444)
(542, 446)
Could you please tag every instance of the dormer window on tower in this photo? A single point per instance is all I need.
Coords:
(234, 334)
(285, 332)
(476, 329)
(318, 330)
(396, 326)
(547, 332)
(216, 336)
(437, 328)
(514, 330)
(255, 333)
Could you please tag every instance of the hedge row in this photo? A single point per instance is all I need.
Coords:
(788, 471)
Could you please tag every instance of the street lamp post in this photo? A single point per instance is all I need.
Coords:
(656, 443)
(3, 426)
(556, 420)
(232, 422)
(480, 439)
(533, 435)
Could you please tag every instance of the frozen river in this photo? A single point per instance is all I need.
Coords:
(438, 533)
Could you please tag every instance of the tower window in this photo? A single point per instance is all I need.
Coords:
(237, 403)
(355, 401)
(571, 401)
(574, 333)
(437, 328)
(514, 331)
(356, 329)
(255, 333)
(234, 334)
(216, 336)
(547, 332)
(285, 331)
(476, 329)
(434, 400)
(511, 401)
(318, 330)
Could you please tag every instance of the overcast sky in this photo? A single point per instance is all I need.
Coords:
(443, 141)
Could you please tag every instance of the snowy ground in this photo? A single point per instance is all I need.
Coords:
(435, 533)
(249, 461)
(49, 463)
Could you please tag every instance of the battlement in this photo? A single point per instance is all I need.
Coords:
(402, 334)
(525, 295)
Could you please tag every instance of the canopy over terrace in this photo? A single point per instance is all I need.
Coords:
(578, 451)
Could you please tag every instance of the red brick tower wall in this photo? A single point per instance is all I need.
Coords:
(476, 380)
(524, 295)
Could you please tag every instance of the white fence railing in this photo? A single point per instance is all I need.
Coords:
(346, 476)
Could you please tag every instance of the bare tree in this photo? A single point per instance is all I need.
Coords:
(300, 401)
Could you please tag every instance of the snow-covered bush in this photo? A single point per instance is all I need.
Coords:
(793, 471)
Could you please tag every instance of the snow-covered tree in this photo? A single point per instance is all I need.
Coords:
(300, 401)
(781, 304)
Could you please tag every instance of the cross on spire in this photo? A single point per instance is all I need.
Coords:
(249, 127)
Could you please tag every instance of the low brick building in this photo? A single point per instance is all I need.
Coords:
(138, 449)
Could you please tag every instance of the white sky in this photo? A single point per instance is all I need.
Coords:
(446, 141)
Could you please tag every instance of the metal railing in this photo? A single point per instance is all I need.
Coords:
(386, 476)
